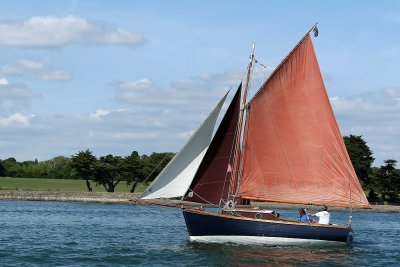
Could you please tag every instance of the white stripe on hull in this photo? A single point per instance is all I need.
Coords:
(264, 240)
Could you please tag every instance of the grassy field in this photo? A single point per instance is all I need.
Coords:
(62, 185)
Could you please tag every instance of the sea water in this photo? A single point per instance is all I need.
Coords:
(82, 234)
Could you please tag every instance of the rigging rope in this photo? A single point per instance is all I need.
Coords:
(351, 205)
(145, 180)
(258, 62)
(216, 206)
(205, 200)
(160, 218)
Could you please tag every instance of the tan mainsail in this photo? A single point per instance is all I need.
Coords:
(293, 151)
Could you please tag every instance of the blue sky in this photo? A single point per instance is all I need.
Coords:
(118, 76)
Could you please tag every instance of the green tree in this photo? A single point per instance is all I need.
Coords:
(31, 169)
(12, 168)
(2, 169)
(84, 164)
(108, 172)
(157, 162)
(388, 181)
(134, 170)
(59, 168)
(360, 156)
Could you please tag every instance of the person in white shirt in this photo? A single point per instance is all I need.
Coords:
(323, 215)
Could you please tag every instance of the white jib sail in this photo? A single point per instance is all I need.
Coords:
(175, 179)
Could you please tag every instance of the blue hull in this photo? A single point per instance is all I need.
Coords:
(202, 224)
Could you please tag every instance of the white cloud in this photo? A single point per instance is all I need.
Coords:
(138, 85)
(16, 92)
(392, 91)
(13, 96)
(3, 81)
(55, 75)
(99, 113)
(123, 136)
(198, 91)
(53, 31)
(38, 69)
(185, 135)
(31, 64)
(375, 116)
(16, 119)
(7, 69)
(120, 36)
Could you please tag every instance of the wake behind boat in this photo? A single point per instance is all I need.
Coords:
(284, 145)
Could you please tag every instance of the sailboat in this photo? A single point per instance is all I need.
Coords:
(283, 145)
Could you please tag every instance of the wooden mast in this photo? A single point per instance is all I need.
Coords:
(236, 163)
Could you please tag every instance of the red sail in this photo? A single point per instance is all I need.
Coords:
(211, 182)
(293, 150)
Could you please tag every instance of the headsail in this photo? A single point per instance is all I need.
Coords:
(293, 150)
(211, 182)
(175, 178)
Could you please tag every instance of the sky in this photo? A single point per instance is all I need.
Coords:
(122, 76)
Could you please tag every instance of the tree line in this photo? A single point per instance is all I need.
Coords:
(380, 183)
(108, 171)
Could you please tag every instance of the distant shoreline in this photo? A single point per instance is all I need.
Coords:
(129, 198)
(93, 197)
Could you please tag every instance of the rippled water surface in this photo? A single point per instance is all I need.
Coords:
(74, 234)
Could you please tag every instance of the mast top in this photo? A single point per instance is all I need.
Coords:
(252, 53)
